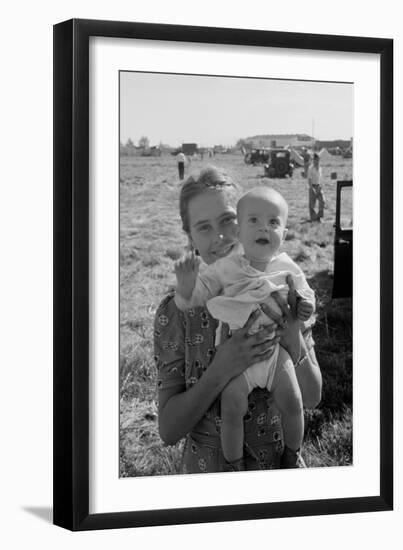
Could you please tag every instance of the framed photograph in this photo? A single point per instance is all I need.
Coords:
(195, 170)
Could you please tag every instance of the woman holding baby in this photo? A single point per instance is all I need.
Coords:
(193, 371)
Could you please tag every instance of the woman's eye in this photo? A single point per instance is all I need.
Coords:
(204, 228)
(227, 221)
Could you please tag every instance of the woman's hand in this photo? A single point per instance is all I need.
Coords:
(242, 350)
(186, 271)
(290, 328)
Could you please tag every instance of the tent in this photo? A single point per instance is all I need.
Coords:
(324, 154)
(296, 157)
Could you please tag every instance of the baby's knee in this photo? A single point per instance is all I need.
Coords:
(293, 404)
(234, 401)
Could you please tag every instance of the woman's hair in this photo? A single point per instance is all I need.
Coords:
(196, 184)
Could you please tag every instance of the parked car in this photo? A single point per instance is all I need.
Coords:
(279, 164)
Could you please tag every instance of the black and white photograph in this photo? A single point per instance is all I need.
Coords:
(235, 301)
(201, 282)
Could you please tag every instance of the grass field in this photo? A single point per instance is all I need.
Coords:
(151, 238)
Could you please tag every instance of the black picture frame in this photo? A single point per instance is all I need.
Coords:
(71, 273)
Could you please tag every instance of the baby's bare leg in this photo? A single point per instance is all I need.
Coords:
(234, 406)
(288, 398)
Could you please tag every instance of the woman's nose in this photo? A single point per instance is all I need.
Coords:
(219, 237)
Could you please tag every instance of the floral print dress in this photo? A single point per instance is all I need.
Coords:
(184, 348)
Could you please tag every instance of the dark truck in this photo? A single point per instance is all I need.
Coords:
(279, 164)
(276, 161)
(343, 242)
(187, 149)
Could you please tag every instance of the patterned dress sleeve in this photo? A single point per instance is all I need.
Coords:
(169, 348)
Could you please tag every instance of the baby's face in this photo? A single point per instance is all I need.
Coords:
(261, 227)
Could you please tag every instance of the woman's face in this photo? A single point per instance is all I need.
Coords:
(213, 226)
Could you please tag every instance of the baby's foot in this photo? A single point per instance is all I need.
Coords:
(291, 459)
(235, 465)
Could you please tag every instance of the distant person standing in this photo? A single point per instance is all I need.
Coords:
(181, 159)
(315, 190)
(307, 159)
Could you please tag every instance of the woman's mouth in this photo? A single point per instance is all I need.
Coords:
(224, 251)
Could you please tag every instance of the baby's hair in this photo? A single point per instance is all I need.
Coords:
(196, 184)
(264, 193)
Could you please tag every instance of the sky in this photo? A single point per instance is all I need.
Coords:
(210, 110)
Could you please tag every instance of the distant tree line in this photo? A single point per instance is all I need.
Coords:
(130, 150)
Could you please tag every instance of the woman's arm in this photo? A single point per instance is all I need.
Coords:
(303, 356)
(180, 410)
(310, 379)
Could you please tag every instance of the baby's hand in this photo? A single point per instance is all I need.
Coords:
(304, 309)
(186, 271)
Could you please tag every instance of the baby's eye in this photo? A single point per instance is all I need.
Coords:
(273, 222)
(227, 221)
(253, 219)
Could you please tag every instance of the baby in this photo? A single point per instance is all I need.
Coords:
(232, 288)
